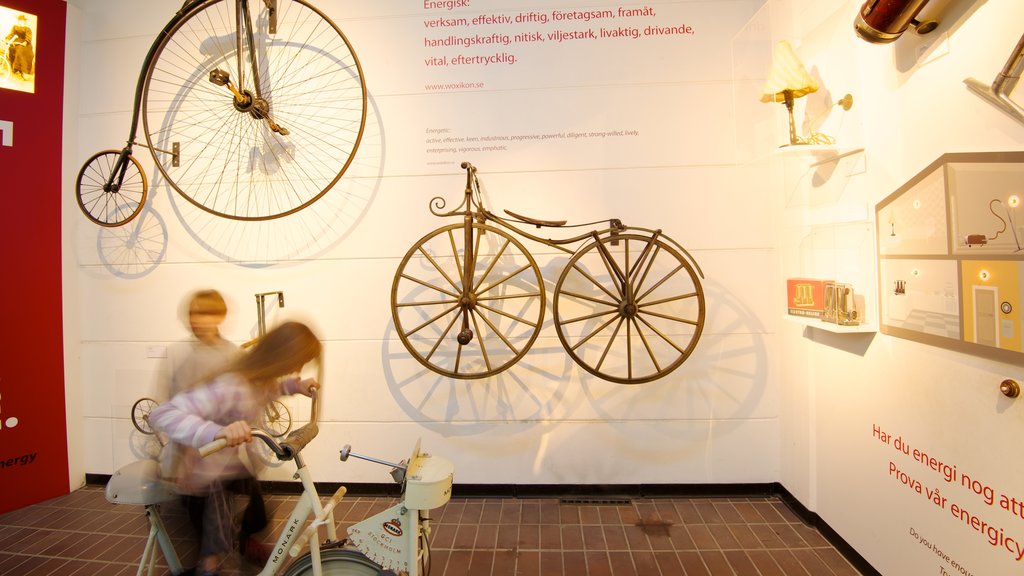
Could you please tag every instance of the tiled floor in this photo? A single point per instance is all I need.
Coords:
(82, 534)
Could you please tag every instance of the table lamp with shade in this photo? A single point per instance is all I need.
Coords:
(787, 81)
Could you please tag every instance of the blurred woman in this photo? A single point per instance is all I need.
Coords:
(228, 406)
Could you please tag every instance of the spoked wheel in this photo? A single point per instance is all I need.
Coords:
(275, 151)
(632, 312)
(110, 199)
(140, 415)
(276, 419)
(479, 334)
(335, 562)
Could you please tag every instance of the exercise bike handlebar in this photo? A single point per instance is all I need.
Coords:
(287, 448)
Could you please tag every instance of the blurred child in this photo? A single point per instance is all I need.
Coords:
(193, 362)
(190, 364)
(228, 406)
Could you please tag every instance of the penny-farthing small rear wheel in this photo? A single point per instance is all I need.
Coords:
(276, 419)
(140, 415)
(111, 189)
(629, 308)
(471, 333)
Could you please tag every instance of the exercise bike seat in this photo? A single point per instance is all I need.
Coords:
(139, 483)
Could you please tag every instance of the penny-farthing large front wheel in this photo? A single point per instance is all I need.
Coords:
(291, 136)
(471, 333)
(629, 308)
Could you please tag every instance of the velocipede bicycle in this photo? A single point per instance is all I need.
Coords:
(251, 113)
(468, 299)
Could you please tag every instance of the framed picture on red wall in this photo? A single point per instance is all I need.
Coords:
(18, 46)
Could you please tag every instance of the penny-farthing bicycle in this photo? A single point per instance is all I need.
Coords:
(252, 110)
(468, 299)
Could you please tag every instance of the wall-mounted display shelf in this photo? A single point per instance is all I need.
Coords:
(818, 175)
(867, 328)
(840, 252)
(827, 233)
(820, 153)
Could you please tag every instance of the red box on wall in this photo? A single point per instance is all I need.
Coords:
(805, 297)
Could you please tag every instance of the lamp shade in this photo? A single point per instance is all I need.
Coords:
(787, 74)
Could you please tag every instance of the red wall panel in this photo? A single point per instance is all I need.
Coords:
(33, 436)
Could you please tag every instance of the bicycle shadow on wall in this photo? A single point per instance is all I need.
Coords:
(311, 229)
(527, 392)
(713, 395)
(135, 249)
(677, 418)
(725, 378)
(142, 445)
(305, 234)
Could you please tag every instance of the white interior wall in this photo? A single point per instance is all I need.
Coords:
(543, 421)
(74, 389)
(761, 400)
(911, 107)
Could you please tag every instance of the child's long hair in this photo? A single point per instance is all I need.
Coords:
(280, 352)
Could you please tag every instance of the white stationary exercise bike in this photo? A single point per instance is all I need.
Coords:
(395, 540)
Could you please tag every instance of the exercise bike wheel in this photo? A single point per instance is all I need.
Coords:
(335, 562)
(629, 308)
(140, 415)
(478, 335)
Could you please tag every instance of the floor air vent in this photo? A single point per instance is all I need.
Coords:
(597, 501)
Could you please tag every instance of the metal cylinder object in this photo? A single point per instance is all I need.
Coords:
(883, 21)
